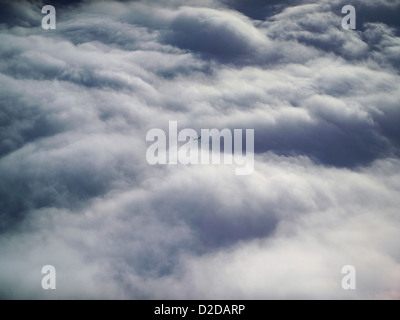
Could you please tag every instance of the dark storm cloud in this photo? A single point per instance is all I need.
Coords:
(76, 190)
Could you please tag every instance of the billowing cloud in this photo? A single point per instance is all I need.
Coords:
(77, 192)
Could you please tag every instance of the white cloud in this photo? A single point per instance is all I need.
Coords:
(77, 193)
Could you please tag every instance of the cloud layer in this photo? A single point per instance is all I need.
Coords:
(76, 191)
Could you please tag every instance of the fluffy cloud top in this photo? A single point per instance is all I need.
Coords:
(76, 191)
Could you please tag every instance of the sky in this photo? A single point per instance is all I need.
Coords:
(77, 192)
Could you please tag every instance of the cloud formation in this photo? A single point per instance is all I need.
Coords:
(77, 193)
